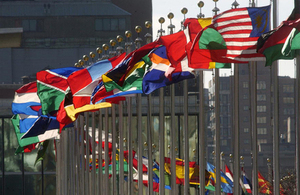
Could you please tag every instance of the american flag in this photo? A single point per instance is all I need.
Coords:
(240, 29)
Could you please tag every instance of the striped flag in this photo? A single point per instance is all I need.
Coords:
(231, 38)
(241, 29)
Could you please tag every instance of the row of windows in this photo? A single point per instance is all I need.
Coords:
(260, 85)
(262, 119)
(260, 131)
(259, 108)
(104, 24)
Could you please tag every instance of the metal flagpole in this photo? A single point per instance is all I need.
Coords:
(297, 123)
(173, 130)
(100, 172)
(201, 123)
(185, 129)
(128, 45)
(254, 126)
(236, 135)
(186, 138)
(114, 174)
(138, 41)
(148, 37)
(297, 11)
(161, 129)
(217, 121)
(106, 153)
(275, 114)
(87, 153)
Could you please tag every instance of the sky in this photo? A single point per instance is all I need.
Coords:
(161, 8)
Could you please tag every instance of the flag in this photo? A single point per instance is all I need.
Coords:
(263, 184)
(52, 86)
(26, 100)
(17, 121)
(231, 38)
(83, 82)
(27, 107)
(157, 64)
(110, 89)
(25, 149)
(247, 184)
(226, 183)
(281, 42)
(175, 43)
(229, 174)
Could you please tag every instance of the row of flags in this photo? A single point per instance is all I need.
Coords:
(43, 108)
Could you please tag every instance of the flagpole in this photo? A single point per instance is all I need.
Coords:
(149, 126)
(236, 126)
(100, 172)
(275, 113)
(217, 119)
(297, 11)
(173, 130)
(138, 41)
(161, 130)
(201, 124)
(128, 45)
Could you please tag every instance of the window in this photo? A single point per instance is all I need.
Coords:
(261, 108)
(246, 141)
(288, 88)
(261, 85)
(288, 111)
(110, 24)
(261, 97)
(224, 143)
(246, 108)
(261, 131)
(245, 96)
(288, 100)
(261, 119)
(259, 142)
(33, 25)
(246, 130)
(245, 119)
(245, 85)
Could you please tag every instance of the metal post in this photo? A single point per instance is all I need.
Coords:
(202, 135)
(121, 153)
(106, 155)
(87, 153)
(186, 139)
(253, 82)
(275, 114)
(114, 175)
(100, 172)
(297, 122)
(3, 152)
(149, 141)
(130, 165)
(94, 154)
(236, 150)
(161, 142)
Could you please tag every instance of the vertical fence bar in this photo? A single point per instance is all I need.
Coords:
(114, 175)
(161, 143)
(121, 153)
(100, 141)
(3, 152)
(236, 150)
(186, 139)
(149, 141)
(201, 143)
